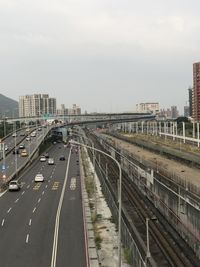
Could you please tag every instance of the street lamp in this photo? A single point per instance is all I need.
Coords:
(119, 194)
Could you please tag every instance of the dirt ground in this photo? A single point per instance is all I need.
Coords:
(187, 173)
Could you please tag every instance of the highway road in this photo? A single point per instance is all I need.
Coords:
(42, 224)
(16, 161)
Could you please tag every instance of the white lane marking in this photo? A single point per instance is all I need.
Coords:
(27, 238)
(34, 209)
(23, 192)
(28, 186)
(16, 200)
(55, 241)
(39, 200)
(9, 210)
(2, 222)
(46, 186)
(42, 192)
(30, 221)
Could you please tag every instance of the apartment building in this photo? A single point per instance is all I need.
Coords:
(36, 105)
(196, 92)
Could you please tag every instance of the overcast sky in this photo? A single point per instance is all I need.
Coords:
(104, 55)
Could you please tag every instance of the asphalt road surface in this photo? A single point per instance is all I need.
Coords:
(42, 224)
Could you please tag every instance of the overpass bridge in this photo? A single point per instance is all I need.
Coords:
(84, 118)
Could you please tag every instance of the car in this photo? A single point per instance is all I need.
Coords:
(39, 129)
(24, 153)
(51, 161)
(27, 129)
(43, 158)
(33, 134)
(14, 185)
(14, 135)
(28, 138)
(39, 177)
(46, 155)
(16, 150)
(6, 147)
(62, 157)
(21, 146)
(22, 134)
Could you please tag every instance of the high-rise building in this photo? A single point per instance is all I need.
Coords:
(196, 92)
(76, 110)
(190, 101)
(186, 111)
(36, 105)
(174, 112)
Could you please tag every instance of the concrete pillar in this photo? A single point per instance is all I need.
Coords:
(193, 129)
(183, 132)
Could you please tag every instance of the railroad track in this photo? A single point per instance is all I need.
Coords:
(164, 250)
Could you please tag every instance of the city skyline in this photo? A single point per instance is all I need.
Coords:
(105, 56)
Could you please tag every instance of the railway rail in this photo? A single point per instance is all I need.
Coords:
(164, 249)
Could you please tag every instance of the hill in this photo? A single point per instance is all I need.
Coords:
(8, 107)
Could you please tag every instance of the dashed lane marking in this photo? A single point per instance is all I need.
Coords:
(9, 210)
(27, 238)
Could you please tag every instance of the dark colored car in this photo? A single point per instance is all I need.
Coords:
(62, 157)
(21, 146)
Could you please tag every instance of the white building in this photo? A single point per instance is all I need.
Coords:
(36, 105)
(152, 107)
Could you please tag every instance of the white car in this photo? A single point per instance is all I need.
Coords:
(43, 159)
(14, 186)
(51, 161)
(14, 135)
(39, 178)
(33, 134)
(28, 138)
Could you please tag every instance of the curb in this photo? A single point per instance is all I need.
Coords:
(91, 252)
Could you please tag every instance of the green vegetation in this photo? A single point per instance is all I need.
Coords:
(128, 255)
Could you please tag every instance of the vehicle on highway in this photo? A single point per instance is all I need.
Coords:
(16, 150)
(14, 185)
(62, 157)
(33, 134)
(22, 134)
(6, 147)
(14, 135)
(28, 138)
(46, 155)
(43, 158)
(24, 153)
(21, 146)
(51, 161)
(27, 129)
(39, 129)
(39, 178)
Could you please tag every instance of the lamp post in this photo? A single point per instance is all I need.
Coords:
(15, 149)
(119, 194)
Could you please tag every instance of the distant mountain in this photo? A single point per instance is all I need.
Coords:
(8, 107)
